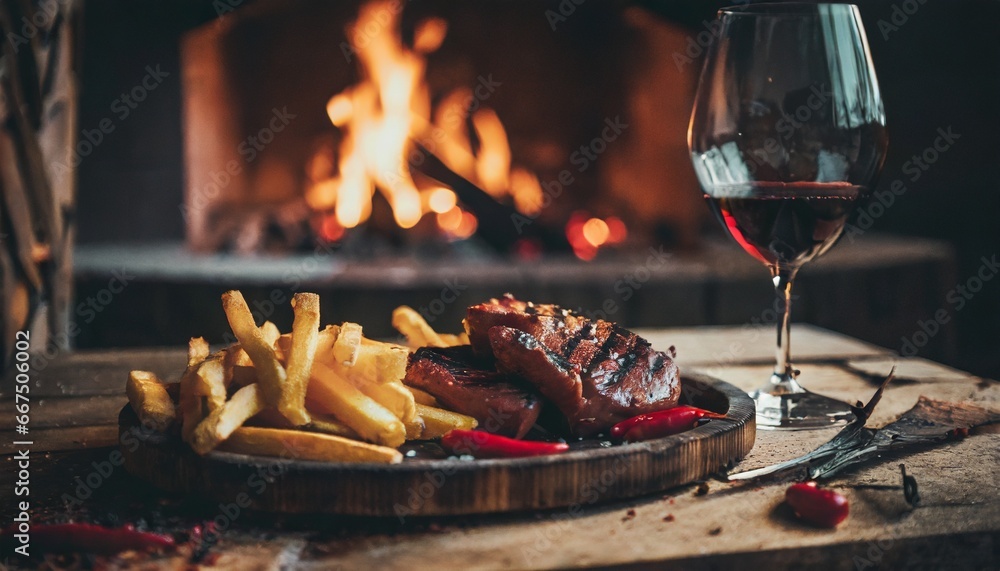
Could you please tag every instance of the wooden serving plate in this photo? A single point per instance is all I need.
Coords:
(592, 471)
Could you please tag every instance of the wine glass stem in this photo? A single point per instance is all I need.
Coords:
(784, 375)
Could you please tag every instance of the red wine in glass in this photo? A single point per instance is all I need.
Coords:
(786, 224)
(787, 134)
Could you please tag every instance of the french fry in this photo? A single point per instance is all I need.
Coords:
(437, 422)
(306, 446)
(282, 347)
(269, 418)
(150, 400)
(377, 363)
(416, 330)
(330, 393)
(348, 344)
(237, 357)
(327, 424)
(190, 405)
(422, 397)
(259, 346)
(305, 338)
(269, 332)
(414, 428)
(198, 351)
(390, 359)
(327, 338)
(394, 397)
(210, 381)
(221, 423)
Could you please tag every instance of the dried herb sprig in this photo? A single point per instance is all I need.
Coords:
(928, 422)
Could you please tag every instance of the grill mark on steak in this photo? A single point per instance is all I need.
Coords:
(575, 340)
(596, 372)
(472, 386)
(520, 354)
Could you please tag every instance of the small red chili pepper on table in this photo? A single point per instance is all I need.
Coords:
(825, 508)
(90, 538)
(661, 423)
(486, 445)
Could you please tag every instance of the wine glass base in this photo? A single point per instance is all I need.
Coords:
(799, 411)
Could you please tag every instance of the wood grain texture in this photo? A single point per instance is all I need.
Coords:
(454, 487)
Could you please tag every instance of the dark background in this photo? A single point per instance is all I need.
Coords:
(939, 69)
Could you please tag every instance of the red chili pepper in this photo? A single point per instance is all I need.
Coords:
(486, 445)
(89, 538)
(661, 423)
(825, 508)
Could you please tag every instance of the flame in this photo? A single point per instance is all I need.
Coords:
(429, 34)
(441, 200)
(526, 190)
(493, 163)
(377, 118)
(381, 116)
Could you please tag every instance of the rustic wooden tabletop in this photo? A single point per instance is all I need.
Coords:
(73, 430)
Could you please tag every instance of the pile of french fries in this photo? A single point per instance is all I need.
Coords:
(312, 394)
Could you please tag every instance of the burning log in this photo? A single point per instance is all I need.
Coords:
(500, 225)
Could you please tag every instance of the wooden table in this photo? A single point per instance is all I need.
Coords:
(76, 398)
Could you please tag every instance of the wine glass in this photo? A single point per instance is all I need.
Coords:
(787, 135)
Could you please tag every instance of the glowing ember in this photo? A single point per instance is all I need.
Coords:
(617, 232)
(587, 234)
(596, 232)
(450, 221)
(330, 229)
(467, 227)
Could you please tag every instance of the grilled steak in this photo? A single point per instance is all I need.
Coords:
(472, 386)
(540, 320)
(595, 372)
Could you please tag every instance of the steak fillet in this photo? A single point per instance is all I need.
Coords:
(472, 386)
(595, 372)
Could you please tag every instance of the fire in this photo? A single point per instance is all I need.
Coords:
(381, 116)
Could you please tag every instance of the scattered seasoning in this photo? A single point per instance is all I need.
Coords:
(661, 423)
(910, 491)
(715, 531)
(825, 508)
(199, 542)
(702, 489)
(668, 517)
(630, 514)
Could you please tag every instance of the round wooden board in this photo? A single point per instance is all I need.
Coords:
(418, 487)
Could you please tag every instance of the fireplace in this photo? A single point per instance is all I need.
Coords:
(429, 125)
